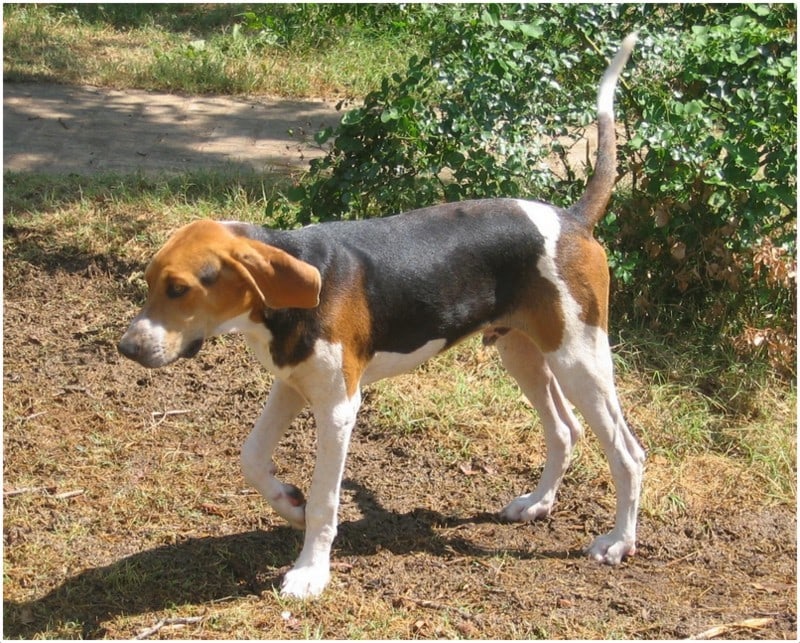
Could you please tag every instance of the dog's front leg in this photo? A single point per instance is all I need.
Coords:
(283, 405)
(335, 421)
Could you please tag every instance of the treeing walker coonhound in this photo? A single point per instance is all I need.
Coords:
(332, 307)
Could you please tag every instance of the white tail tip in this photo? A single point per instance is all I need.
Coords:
(605, 95)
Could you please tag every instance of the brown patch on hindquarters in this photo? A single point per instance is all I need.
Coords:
(583, 266)
(581, 263)
(541, 315)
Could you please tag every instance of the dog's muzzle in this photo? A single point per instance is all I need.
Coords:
(151, 353)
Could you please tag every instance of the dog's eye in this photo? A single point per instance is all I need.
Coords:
(176, 290)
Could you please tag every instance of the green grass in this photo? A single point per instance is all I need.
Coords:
(99, 210)
(27, 193)
(203, 48)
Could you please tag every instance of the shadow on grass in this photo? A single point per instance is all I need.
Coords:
(176, 18)
(202, 570)
(418, 531)
(197, 570)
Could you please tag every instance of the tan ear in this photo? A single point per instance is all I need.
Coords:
(279, 279)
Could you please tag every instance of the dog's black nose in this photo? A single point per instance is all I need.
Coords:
(129, 347)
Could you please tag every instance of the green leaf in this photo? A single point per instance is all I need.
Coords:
(349, 144)
(759, 9)
(296, 193)
(323, 135)
(636, 142)
(390, 114)
(454, 159)
(718, 199)
(738, 22)
(405, 103)
(489, 19)
(690, 108)
(353, 117)
(532, 30)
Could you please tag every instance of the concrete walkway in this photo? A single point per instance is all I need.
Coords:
(85, 130)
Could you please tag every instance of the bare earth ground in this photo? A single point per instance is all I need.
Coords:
(124, 504)
(57, 128)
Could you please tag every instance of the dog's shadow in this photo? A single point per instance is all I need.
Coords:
(203, 570)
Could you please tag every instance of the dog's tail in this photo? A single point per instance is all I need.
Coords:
(591, 207)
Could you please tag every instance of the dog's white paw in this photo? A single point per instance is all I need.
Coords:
(305, 582)
(526, 508)
(611, 549)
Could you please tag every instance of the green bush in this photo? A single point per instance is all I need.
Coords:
(708, 233)
(702, 229)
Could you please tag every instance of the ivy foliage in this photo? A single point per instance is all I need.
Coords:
(702, 229)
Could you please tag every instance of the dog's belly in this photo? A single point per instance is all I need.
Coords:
(385, 364)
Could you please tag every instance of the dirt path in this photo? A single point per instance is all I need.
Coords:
(65, 129)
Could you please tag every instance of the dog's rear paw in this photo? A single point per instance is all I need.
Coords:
(526, 508)
(305, 582)
(611, 549)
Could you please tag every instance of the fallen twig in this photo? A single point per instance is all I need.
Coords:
(167, 622)
(50, 491)
(434, 605)
(719, 630)
(681, 559)
(69, 494)
(23, 490)
(164, 414)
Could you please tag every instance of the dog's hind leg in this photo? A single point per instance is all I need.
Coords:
(283, 405)
(584, 369)
(526, 364)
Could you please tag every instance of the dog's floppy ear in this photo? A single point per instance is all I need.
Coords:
(278, 278)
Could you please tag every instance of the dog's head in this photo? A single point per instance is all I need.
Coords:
(203, 279)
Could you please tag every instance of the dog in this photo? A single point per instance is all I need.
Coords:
(332, 307)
